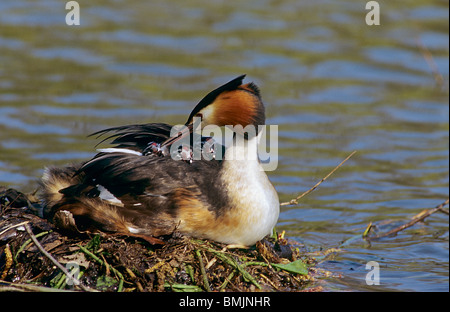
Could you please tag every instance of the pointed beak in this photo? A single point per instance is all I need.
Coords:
(182, 134)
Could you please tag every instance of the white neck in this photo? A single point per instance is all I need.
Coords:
(250, 192)
(242, 149)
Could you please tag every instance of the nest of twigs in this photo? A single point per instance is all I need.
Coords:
(36, 256)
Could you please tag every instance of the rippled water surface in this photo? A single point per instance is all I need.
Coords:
(330, 82)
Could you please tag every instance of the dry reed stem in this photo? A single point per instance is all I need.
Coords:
(431, 63)
(417, 218)
(49, 256)
(294, 201)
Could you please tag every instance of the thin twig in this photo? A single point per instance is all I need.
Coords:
(210, 263)
(295, 200)
(417, 218)
(269, 281)
(13, 226)
(16, 287)
(431, 63)
(48, 255)
(27, 242)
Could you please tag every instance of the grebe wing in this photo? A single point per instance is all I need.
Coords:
(132, 179)
(136, 137)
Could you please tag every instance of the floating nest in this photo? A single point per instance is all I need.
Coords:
(37, 256)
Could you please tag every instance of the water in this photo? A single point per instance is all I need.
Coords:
(331, 83)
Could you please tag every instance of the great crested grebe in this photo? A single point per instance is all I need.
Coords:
(136, 189)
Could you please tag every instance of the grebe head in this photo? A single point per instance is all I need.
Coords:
(232, 104)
